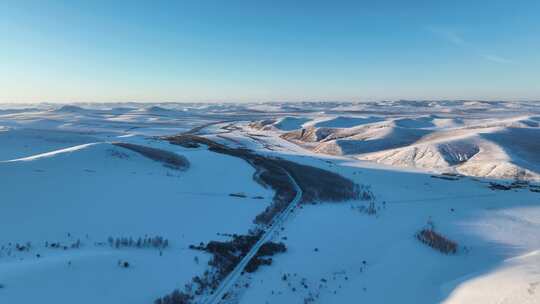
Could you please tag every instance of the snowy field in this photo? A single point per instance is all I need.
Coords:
(67, 189)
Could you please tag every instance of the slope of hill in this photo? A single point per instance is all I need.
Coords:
(488, 147)
(18, 143)
(495, 153)
(80, 197)
(346, 122)
(286, 123)
(290, 123)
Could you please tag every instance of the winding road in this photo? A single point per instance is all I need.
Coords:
(276, 223)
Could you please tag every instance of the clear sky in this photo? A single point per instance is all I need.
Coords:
(228, 50)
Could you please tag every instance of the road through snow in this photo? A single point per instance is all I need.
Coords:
(276, 223)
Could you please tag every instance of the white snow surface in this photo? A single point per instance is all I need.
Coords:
(94, 191)
(61, 180)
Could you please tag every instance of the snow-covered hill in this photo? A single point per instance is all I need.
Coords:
(91, 192)
(74, 202)
(484, 147)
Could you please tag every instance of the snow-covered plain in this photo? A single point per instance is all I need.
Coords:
(62, 180)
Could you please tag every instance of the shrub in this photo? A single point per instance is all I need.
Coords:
(436, 241)
(497, 186)
(255, 262)
(176, 297)
(271, 248)
(157, 242)
(267, 249)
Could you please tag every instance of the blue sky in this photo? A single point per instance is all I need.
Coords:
(69, 51)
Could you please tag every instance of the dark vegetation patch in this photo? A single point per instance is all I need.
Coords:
(10, 249)
(448, 176)
(123, 264)
(316, 184)
(520, 184)
(370, 208)
(497, 186)
(176, 297)
(271, 248)
(517, 184)
(261, 258)
(321, 185)
(57, 245)
(225, 256)
(20, 250)
(189, 140)
(436, 241)
(167, 158)
(311, 289)
(158, 242)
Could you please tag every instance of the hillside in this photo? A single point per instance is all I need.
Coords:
(387, 202)
(97, 191)
(494, 148)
